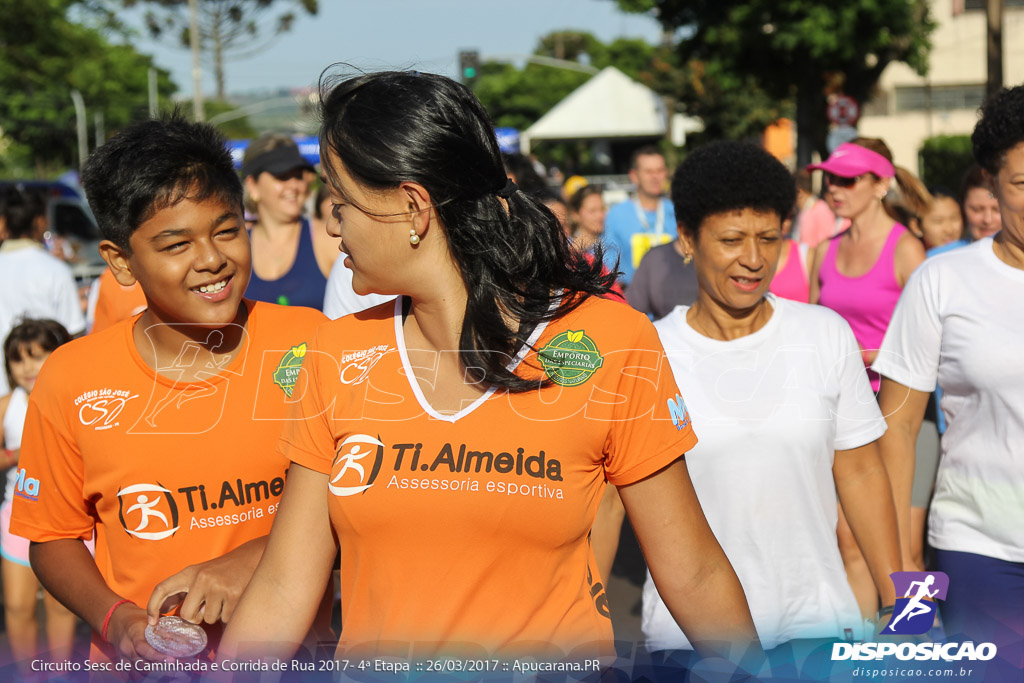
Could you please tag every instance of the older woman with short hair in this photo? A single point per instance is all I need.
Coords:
(785, 411)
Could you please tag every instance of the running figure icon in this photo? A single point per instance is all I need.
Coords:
(915, 607)
(145, 507)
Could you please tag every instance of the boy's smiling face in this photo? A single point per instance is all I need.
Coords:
(193, 262)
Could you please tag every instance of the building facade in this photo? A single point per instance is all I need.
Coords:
(908, 108)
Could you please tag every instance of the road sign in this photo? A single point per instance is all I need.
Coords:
(843, 110)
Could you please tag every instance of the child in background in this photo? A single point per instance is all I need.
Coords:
(25, 349)
(942, 223)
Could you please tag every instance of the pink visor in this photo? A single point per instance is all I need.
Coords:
(850, 160)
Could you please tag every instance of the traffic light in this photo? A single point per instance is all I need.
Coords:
(469, 66)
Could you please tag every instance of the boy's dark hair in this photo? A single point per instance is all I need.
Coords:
(392, 127)
(153, 165)
(1000, 129)
(21, 207)
(730, 176)
(49, 334)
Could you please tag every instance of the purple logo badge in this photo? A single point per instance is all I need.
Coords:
(916, 593)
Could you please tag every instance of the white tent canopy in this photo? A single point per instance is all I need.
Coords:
(610, 105)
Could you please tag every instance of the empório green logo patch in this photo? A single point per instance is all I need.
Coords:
(287, 371)
(570, 358)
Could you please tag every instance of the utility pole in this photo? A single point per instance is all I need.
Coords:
(153, 105)
(994, 21)
(197, 72)
(100, 133)
(83, 142)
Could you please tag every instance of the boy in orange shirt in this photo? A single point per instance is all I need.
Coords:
(159, 431)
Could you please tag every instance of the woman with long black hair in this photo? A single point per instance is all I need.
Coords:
(457, 441)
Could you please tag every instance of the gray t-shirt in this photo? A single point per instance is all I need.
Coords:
(662, 282)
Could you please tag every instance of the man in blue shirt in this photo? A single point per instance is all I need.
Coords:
(644, 221)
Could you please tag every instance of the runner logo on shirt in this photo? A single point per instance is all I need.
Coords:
(677, 411)
(570, 359)
(914, 613)
(287, 372)
(147, 511)
(350, 465)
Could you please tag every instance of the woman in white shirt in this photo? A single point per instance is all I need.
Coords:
(959, 322)
(787, 420)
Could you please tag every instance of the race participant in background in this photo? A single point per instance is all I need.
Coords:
(456, 453)
(33, 283)
(980, 206)
(287, 267)
(159, 432)
(635, 226)
(942, 223)
(587, 214)
(664, 280)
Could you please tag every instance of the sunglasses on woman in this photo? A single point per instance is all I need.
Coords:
(840, 181)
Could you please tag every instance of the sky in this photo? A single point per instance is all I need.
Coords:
(401, 34)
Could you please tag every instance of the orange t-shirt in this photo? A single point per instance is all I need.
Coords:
(170, 474)
(470, 533)
(115, 303)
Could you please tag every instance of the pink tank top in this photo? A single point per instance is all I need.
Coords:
(791, 282)
(865, 302)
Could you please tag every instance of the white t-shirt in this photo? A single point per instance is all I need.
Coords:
(34, 284)
(339, 299)
(770, 410)
(960, 322)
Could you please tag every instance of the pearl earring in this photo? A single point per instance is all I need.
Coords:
(414, 239)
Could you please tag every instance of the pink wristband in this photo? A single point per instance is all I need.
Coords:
(106, 619)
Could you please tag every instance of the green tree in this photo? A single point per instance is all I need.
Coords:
(45, 57)
(943, 160)
(518, 97)
(236, 128)
(228, 29)
(800, 48)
